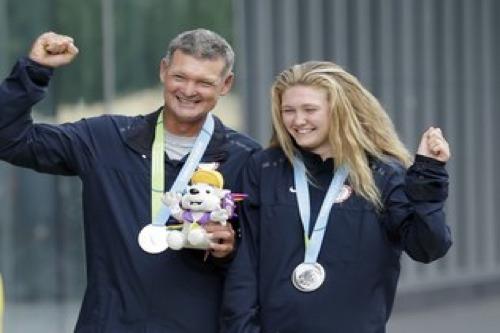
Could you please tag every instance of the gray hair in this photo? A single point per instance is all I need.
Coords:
(203, 44)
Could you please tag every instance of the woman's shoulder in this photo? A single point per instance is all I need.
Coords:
(386, 166)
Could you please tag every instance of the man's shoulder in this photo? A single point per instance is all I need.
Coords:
(242, 141)
(271, 156)
(271, 153)
(120, 121)
(238, 140)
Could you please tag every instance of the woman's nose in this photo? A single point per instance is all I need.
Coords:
(300, 118)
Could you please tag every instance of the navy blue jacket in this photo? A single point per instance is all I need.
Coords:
(360, 252)
(128, 290)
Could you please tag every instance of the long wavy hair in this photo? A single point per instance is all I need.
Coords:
(359, 125)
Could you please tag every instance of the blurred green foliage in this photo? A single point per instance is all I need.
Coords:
(142, 28)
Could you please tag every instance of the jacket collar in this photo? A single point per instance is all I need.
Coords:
(140, 135)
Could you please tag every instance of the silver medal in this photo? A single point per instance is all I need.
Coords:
(153, 238)
(308, 277)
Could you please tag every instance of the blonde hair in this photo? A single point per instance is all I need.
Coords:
(359, 125)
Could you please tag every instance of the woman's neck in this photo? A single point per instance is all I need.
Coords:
(324, 153)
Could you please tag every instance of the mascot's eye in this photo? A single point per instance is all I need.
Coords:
(208, 191)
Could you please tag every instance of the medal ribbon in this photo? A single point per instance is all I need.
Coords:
(160, 212)
(313, 244)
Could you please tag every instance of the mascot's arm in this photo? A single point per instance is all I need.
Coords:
(172, 201)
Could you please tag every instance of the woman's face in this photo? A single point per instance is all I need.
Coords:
(306, 116)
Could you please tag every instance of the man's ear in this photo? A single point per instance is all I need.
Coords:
(163, 69)
(228, 83)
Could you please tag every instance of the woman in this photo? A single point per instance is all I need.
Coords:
(337, 170)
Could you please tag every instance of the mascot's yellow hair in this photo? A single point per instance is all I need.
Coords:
(210, 177)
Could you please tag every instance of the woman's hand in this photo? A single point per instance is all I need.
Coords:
(434, 145)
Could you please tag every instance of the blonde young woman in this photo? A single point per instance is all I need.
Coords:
(331, 206)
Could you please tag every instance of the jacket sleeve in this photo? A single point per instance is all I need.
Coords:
(56, 149)
(236, 187)
(413, 209)
(240, 309)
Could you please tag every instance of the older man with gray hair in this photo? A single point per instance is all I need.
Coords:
(134, 282)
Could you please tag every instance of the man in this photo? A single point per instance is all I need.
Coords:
(128, 289)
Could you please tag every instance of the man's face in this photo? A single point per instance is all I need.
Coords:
(192, 87)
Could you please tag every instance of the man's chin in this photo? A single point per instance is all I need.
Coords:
(190, 119)
(189, 115)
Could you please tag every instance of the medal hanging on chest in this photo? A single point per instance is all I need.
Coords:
(310, 275)
(153, 237)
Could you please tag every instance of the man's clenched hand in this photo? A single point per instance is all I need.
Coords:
(53, 50)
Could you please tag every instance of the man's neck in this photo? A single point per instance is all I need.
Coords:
(180, 128)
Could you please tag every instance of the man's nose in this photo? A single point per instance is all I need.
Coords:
(189, 89)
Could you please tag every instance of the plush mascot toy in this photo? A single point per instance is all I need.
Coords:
(204, 200)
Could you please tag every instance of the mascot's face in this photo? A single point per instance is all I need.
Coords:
(201, 197)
